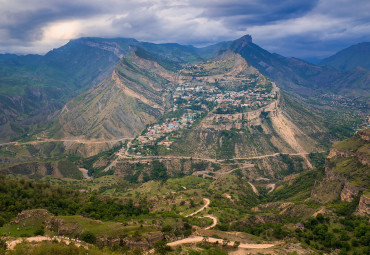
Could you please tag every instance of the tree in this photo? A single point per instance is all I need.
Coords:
(159, 171)
(278, 232)
(88, 237)
(2, 221)
(3, 246)
(236, 244)
(161, 247)
(166, 229)
(320, 218)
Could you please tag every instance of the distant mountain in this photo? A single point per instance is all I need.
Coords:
(7, 56)
(303, 78)
(34, 88)
(312, 60)
(350, 58)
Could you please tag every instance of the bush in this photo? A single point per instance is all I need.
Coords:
(236, 244)
(39, 232)
(166, 229)
(161, 247)
(2, 221)
(3, 245)
(88, 237)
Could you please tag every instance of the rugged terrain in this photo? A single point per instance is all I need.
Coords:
(315, 211)
(128, 147)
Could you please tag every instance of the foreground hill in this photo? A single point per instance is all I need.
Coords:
(312, 212)
(347, 171)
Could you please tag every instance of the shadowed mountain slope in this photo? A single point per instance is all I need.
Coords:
(350, 58)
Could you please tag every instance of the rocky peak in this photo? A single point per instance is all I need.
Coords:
(241, 43)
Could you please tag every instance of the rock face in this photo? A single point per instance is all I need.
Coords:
(348, 163)
(364, 205)
(335, 152)
(36, 213)
(349, 193)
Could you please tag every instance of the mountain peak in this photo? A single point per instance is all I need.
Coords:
(241, 42)
(246, 38)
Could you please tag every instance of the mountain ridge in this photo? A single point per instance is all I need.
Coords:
(350, 58)
(291, 74)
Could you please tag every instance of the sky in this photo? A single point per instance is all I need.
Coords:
(298, 28)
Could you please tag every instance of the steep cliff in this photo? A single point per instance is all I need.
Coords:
(348, 168)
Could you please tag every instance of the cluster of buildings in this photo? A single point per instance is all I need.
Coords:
(338, 100)
(168, 126)
(243, 98)
(200, 93)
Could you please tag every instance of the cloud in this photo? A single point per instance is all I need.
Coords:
(289, 27)
(326, 29)
(256, 12)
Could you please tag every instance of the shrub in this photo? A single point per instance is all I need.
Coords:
(39, 232)
(161, 247)
(2, 221)
(88, 237)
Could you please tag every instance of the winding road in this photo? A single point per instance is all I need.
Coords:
(198, 239)
(206, 204)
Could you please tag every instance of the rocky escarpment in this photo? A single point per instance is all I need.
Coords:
(349, 192)
(36, 213)
(364, 205)
(347, 165)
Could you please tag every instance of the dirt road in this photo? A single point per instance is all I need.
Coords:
(198, 239)
(206, 204)
(12, 243)
(214, 221)
(254, 188)
(74, 140)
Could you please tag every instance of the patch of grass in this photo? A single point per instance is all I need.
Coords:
(68, 169)
(350, 144)
(18, 230)
(106, 228)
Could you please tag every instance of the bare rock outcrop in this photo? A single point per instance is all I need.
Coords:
(35, 213)
(349, 192)
(335, 152)
(364, 206)
(144, 242)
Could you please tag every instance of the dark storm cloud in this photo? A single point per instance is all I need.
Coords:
(294, 28)
(257, 12)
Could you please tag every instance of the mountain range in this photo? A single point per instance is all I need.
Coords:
(34, 89)
(122, 147)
